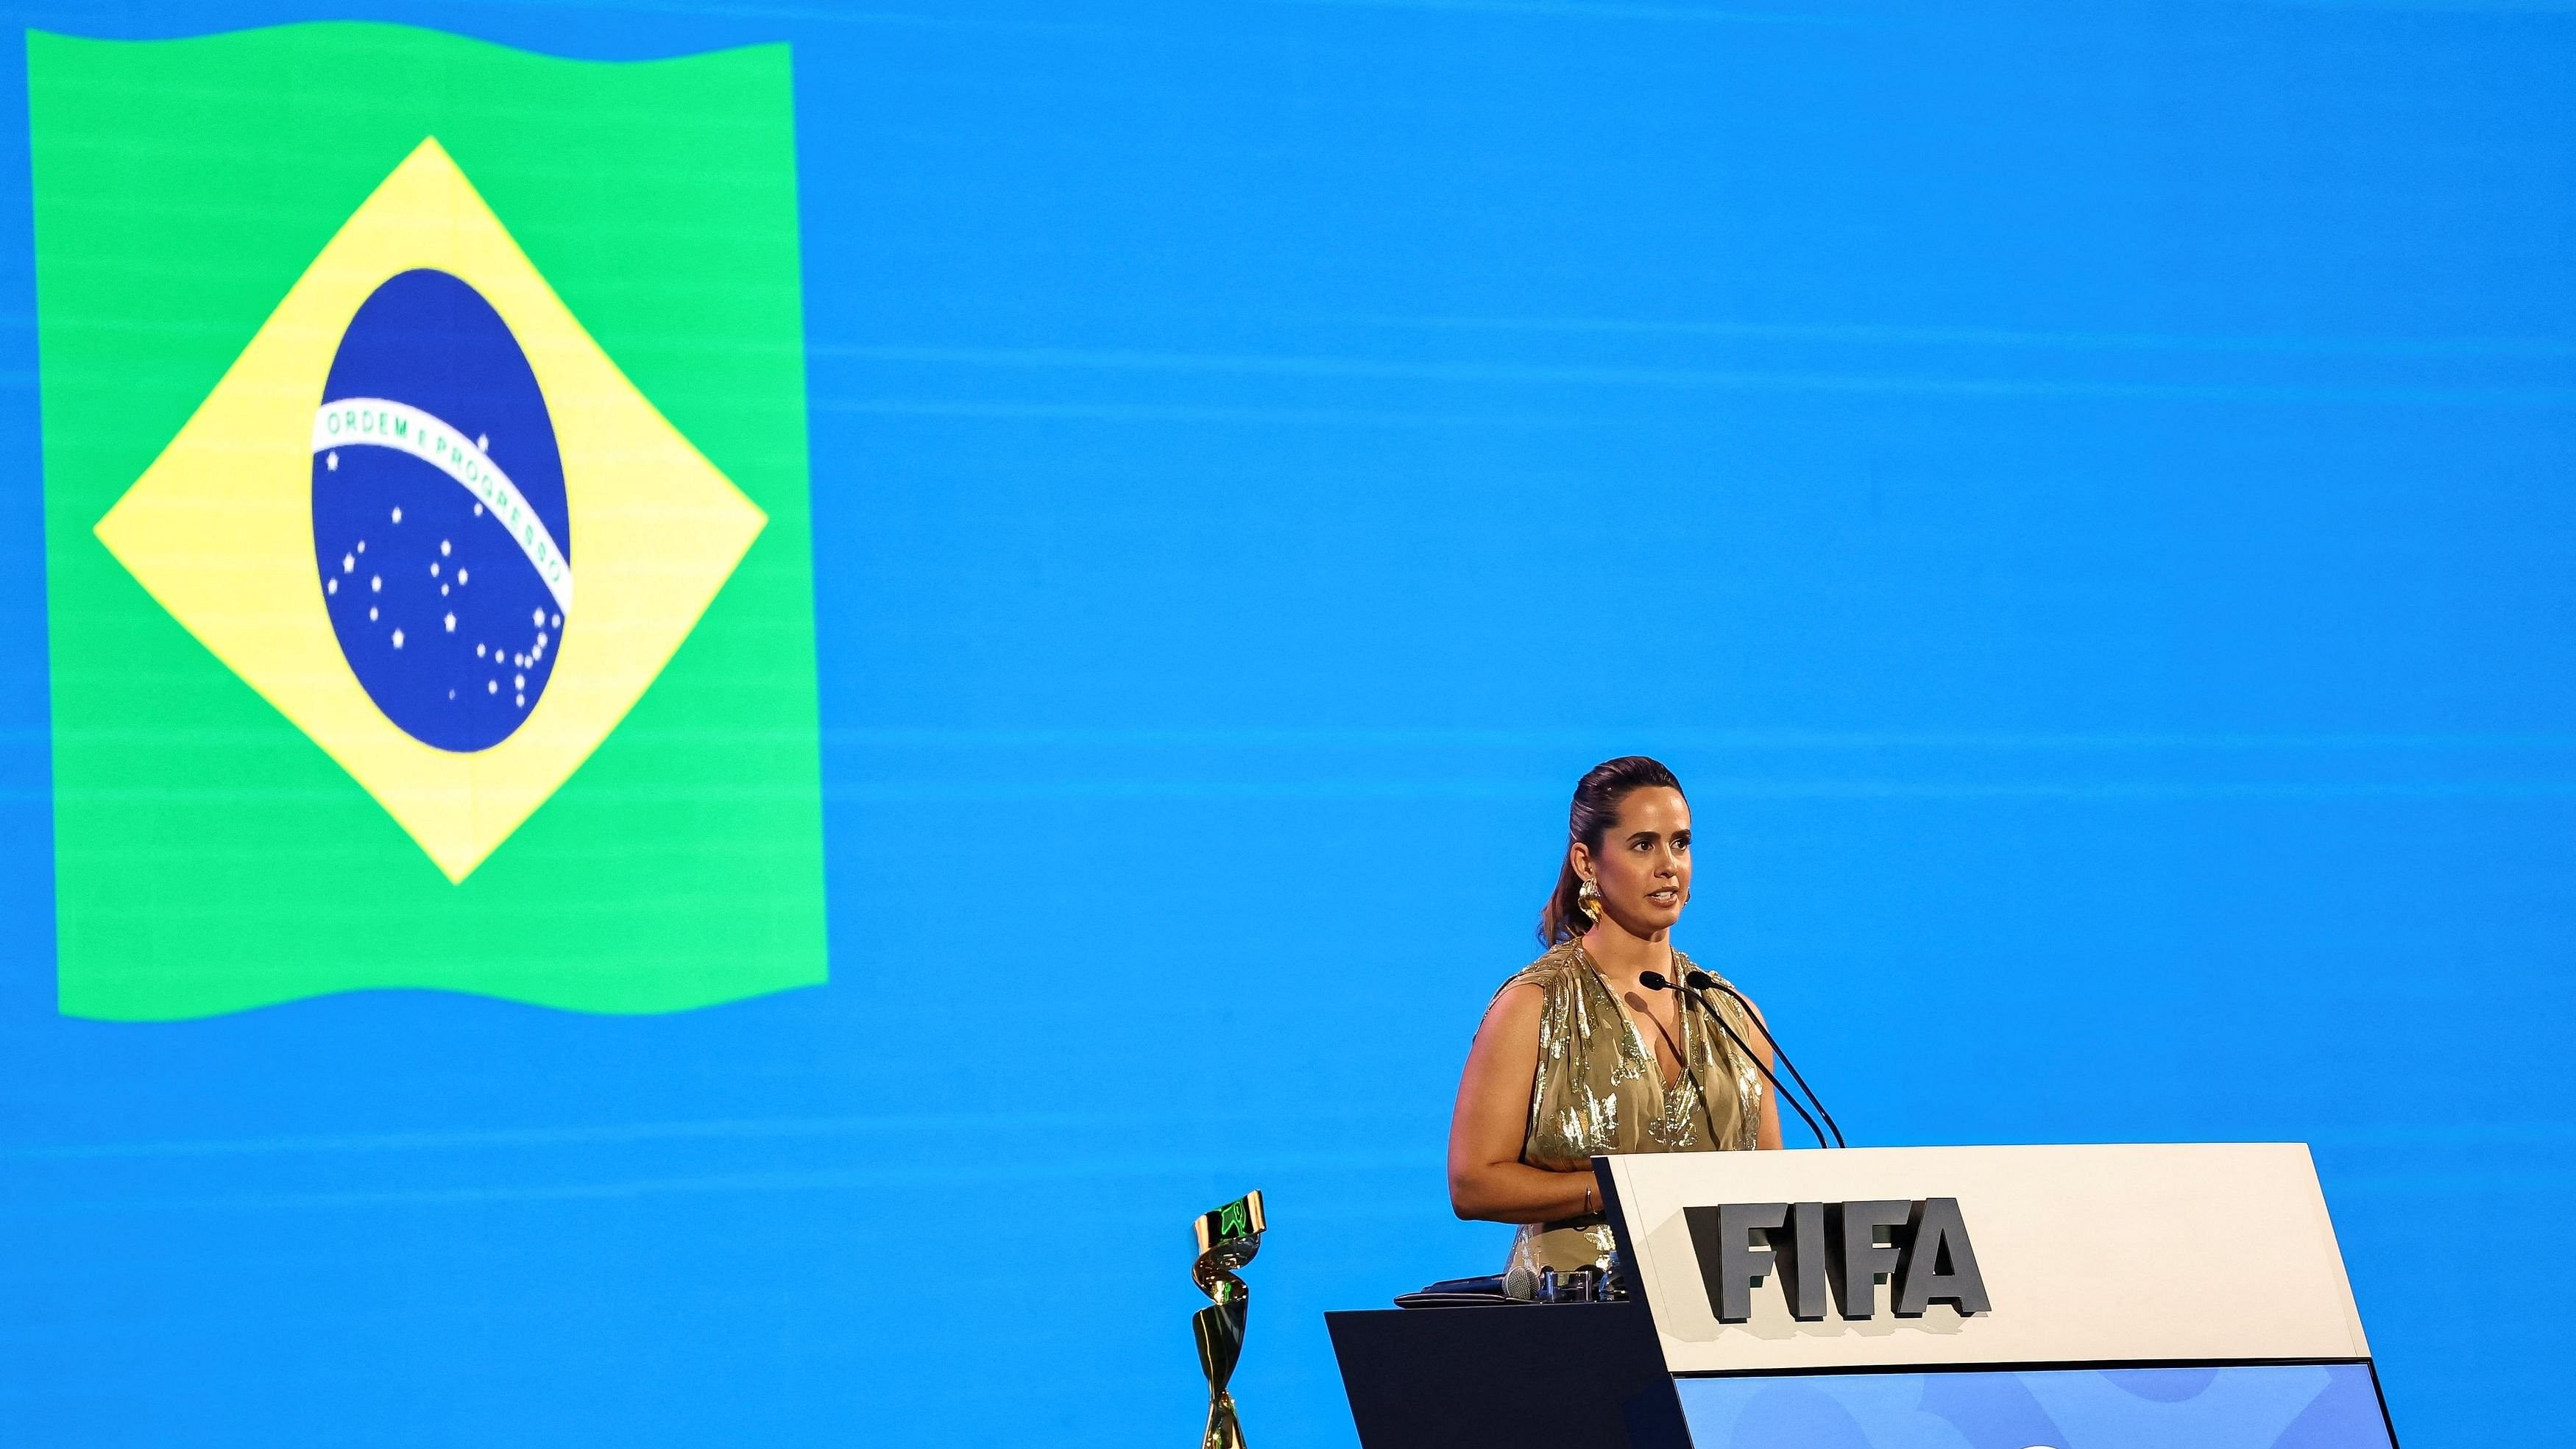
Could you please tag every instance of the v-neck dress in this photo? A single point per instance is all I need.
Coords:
(1598, 1089)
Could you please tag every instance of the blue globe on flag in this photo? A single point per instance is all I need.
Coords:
(440, 530)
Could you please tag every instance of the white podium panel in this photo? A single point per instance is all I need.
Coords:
(2207, 1253)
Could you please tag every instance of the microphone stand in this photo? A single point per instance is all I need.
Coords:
(1654, 981)
(1703, 980)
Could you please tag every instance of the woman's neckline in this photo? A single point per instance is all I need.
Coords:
(1633, 1033)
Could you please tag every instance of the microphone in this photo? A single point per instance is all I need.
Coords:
(1654, 981)
(1701, 981)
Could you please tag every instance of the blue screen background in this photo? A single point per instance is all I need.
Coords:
(2079, 493)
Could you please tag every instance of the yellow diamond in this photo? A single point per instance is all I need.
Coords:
(219, 528)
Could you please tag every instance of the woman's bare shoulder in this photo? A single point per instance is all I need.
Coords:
(1525, 991)
(1558, 962)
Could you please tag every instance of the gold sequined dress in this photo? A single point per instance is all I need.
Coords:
(1599, 1089)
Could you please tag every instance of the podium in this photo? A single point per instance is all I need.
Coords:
(2089, 1297)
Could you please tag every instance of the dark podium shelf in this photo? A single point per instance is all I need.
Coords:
(1550, 1376)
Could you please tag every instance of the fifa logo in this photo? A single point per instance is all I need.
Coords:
(1837, 1251)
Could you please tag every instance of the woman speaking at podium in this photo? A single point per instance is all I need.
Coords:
(1577, 1056)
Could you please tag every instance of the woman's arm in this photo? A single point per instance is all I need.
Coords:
(1487, 1179)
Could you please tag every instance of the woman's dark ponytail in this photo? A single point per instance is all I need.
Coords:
(1595, 810)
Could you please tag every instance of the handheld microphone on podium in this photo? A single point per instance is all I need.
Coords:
(1654, 981)
(1701, 981)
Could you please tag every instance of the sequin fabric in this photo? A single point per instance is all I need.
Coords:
(1598, 1090)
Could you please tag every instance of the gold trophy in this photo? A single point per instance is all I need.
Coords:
(1228, 1237)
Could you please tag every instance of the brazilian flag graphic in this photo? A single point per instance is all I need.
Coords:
(430, 594)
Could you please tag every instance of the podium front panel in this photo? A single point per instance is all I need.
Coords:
(2188, 1254)
(2234, 1406)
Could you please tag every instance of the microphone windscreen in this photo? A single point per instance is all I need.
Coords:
(1653, 981)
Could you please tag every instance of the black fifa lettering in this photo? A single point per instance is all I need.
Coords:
(1833, 1256)
(1803, 1274)
(1858, 1261)
(1939, 1266)
(1730, 1263)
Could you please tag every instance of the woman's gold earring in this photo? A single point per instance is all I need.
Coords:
(1588, 900)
